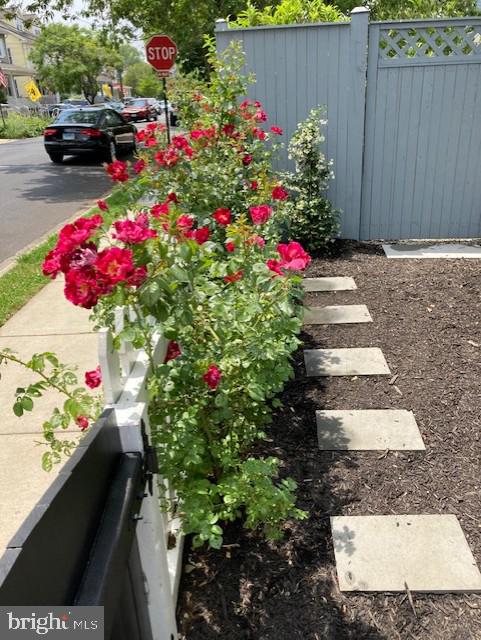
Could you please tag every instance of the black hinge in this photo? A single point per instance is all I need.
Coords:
(151, 463)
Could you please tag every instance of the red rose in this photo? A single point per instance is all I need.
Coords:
(201, 235)
(82, 422)
(151, 142)
(294, 258)
(212, 376)
(247, 159)
(258, 133)
(137, 277)
(52, 265)
(261, 213)
(278, 193)
(275, 266)
(234, 277)
(260, 116)
(173, 351)
(185, 222)
(160, 209)
(115, 263)
(133, 232)
(222, 216)
(139, 166)
(254, 185)
(102, 205)
(172, 197)
(82, 289)
(196, 134)
(230, 246)
(93, 379)
(277, 130)
(228, 129)
(117, 170)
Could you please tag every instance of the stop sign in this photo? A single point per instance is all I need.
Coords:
(161, 52)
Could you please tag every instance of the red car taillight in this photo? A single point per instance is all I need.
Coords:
(49, 132)
(91, 133)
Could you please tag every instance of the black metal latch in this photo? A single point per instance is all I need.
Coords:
(151, 463)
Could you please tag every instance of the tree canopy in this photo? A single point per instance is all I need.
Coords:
(142, 79)
(69, 59)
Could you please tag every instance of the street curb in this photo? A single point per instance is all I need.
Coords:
(9, 263)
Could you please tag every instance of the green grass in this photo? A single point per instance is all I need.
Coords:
(25, 279)
(19, 126)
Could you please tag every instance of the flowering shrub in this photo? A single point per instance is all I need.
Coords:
(312, 220)
(202, 259)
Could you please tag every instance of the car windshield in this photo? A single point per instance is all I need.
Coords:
(78, 117)
(138, 103)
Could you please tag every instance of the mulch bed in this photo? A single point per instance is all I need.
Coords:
(427, 321)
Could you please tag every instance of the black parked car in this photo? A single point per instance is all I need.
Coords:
(97, 130)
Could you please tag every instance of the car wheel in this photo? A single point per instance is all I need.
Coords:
(56, 158)
(111, 153)
(173, 120)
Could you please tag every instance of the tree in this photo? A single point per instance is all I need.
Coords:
(69, 59)
(141, 77)
(150, 87)
(410, 9)
(129, 54)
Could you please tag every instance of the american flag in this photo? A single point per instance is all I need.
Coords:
(3, 79)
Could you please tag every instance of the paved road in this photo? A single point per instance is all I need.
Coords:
(36, 195)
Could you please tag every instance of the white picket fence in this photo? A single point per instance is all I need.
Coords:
(124, 375)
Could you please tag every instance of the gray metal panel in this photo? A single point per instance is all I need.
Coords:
(406, 152)
(300, 67)
(422, 173)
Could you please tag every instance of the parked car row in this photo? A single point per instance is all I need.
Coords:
(132, 109)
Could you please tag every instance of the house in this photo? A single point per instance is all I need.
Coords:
(17, 35)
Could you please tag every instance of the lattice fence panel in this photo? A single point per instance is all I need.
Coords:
(430, 42)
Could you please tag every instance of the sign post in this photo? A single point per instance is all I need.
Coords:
(161, 52)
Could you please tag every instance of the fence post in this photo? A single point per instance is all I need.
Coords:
(358, 56)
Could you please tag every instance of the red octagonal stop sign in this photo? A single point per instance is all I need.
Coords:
(161, 52)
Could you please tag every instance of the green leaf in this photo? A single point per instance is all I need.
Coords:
(18, 409)
(27, 403)
(47, 461)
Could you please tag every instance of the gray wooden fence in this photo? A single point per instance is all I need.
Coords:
(403, 102)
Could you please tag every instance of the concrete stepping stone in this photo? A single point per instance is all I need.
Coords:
(341, 314)
(426, 553)
(423, 251)
(367, 361)
(343, 283)
(368, 430)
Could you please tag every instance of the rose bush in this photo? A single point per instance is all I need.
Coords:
(197, 257)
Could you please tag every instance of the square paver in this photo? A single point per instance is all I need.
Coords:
(368, 430)
(423, 251)
(343, 283)
(340, 314)
(428, 553)
(367, 361)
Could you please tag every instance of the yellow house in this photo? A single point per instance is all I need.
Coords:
(16, 39)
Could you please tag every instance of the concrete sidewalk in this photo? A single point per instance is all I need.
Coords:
(47, 323)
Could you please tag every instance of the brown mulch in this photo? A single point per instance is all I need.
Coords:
(427, 320)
